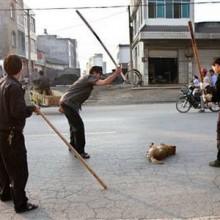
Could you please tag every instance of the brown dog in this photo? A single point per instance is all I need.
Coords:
(156, 153)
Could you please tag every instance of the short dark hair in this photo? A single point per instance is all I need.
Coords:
(12, 64)
(216, 61)
(211, 71)
(97, 69)
(41, 72)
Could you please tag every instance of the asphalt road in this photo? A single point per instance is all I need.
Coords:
(185, 187)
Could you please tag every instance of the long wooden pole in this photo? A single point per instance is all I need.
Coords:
(100, 41)
(74, 151)
(195, 49)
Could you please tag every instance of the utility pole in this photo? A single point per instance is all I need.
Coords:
(29, 43)
(130, 37)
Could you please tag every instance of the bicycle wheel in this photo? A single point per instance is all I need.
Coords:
(134, 77)
(182, 104)
(214, 107)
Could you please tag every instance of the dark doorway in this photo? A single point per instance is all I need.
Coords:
(163, 70)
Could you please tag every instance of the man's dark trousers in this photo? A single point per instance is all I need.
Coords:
(77, 130)
(13, 168)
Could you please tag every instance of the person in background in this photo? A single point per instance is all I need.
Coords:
(74, 97)
(196, 81)
(196, 88)
(13, 156)
(204, 86)
(44, 84)
(213, 77)
(206, 78)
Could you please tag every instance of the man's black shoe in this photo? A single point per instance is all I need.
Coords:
(28, 207)
(85, 155)
(215, 163)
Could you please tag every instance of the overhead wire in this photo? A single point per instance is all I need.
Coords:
(92, 21)
(110, 6)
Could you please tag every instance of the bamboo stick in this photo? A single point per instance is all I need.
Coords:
(195, 49)
(100, 41)
(74, 151)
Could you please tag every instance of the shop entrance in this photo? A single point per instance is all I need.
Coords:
(163, 70)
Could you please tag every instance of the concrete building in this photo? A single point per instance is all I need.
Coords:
(58, 57)
(123, 55)
(161, 43)
(96, 60)
(62, 49)
(13, 32)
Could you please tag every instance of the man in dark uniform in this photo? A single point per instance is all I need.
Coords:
(13, 159)
(215, 97)
(72, 100)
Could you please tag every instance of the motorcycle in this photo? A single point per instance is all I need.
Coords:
(191, 97)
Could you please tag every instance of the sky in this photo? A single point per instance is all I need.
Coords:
(111, 25)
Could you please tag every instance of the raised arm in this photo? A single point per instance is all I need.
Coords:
(109, 79)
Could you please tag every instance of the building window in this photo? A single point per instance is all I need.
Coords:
(185, 9)
(20, 19)
(13, 39)
(21, 43)
(12, 11)
(177, 9)
(135, 57)
(152, 9)
(169, 8)
(160, 8)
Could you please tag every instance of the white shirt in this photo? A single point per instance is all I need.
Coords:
(206, 81)
(196, 82)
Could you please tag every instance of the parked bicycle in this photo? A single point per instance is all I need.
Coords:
(133, 78)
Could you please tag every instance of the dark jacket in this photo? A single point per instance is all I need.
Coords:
(216, 92)
(13, 110)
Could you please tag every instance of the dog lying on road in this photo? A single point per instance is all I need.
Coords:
(156, 153)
